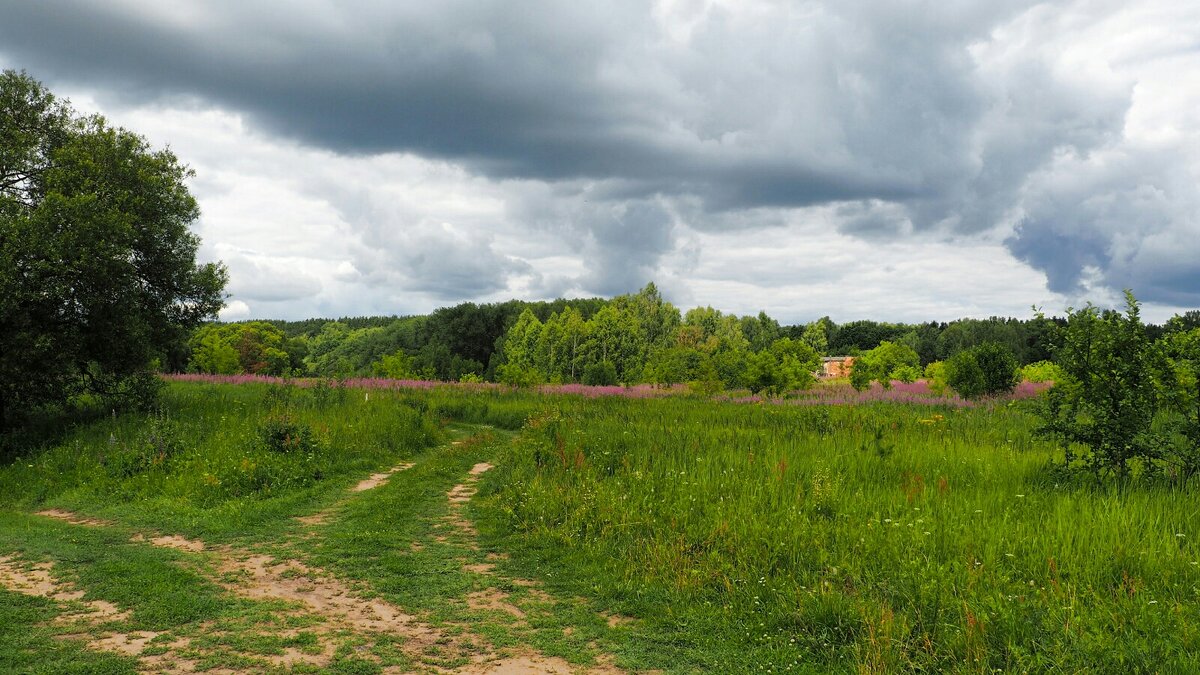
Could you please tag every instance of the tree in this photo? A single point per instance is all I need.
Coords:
(816, 335)
(1177, 379)
(786, 365)
(1106, 401)
(398, 366)
(984, 370)
(98, 273)
(256, 347)
(889, 361)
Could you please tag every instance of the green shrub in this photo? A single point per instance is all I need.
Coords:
(327, 392)
(1107, 401)
(601, 373)
(984, 370)
(935, 375)
(880, 363)
(519, 376)
(906, 373)
(282, 433)
(152, 448)
(1042, 371)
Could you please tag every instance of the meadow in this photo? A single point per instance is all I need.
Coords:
(564, 531)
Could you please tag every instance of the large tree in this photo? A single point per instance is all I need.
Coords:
(98, 273)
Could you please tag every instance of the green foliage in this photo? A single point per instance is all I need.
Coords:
(1042, 371)
(879, 365)
(672, 365)
(212, 354)
(600, 373)
(935, 375)
(98, 273)
(281, 432)
(516, 375)
(398, 366)
(151, 449)
(1106, 402)
(787, 365)
(255, 347)
(906, 373)
(1176, 361)
(986, 370)
(816, 335)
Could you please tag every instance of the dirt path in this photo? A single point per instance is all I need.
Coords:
(87, 619)
(313, 597)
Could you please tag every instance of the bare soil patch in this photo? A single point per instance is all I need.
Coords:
(178, 543)
(73, 518)
(378, 479)
(493, 599)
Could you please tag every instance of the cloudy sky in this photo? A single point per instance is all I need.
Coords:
(899, 160)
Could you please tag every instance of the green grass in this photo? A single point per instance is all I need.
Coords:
(28, 646)
(717, 537)
(876, 537)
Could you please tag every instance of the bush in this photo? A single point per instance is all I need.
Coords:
(601, 373)
(984, 370)
(519, 376)
(880, 363)
(284, 434)
(907, 374)
(1107, 401)
(138, 392)
(935, 375)
(1042, 371)
(153, 448)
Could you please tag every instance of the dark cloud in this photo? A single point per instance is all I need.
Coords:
(1131, 219)
(541, 90)
(639, 118)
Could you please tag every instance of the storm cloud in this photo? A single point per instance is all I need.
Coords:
(594, 147)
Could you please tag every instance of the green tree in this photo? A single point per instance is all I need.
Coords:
(1107, 400)
(211, 354)
(98, 273)
(984, 370)
(816, 335)
(888, 361)
(785, 366)
(1177, 371)
(398, 366)
(600, 373)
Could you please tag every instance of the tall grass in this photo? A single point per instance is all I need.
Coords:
(879, 537)
(218, 453)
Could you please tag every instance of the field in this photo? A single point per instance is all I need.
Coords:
(273, 528)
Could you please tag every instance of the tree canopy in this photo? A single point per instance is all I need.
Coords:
(98, 272)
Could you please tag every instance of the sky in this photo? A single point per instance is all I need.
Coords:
(900, 160)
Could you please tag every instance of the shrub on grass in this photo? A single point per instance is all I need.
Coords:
(935, 375)
(907, 374)
(988, 369)
(880, 363)
(284, 434)
(601, 373)
(1042, 371)
(153, 448)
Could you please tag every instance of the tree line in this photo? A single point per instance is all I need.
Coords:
(632, 338)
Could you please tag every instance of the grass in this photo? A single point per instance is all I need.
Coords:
(883, 538)
(669, 533)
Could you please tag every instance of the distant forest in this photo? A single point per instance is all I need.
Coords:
(630, 338)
